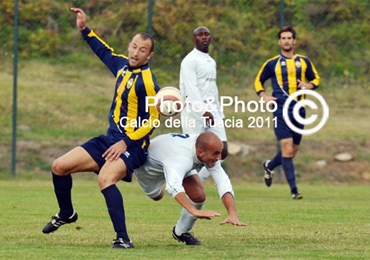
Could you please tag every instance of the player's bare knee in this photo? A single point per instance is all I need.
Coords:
(57, 168)
(200, 197)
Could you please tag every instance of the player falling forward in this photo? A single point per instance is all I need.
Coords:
(171, 160)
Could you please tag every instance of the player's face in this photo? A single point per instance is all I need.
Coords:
(211, 155)
(286, 41)
(139, 51)
(202, 40)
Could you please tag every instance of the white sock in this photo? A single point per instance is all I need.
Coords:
(186, 220)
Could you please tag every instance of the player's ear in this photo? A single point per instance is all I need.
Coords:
(150, 55)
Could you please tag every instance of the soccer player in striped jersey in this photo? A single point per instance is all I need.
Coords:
(289, 72)
(123, 148)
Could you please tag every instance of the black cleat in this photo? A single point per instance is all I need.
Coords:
(297, 196)
(57, 221)
(122, 244)
(186, 238)
(268, 174)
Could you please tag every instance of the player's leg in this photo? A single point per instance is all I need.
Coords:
(110, 173)
(151, 179)
(281, 131)
(78, 159)
(194, 189)
(287, 148)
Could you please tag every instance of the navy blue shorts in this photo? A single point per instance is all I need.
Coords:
(134, 156)
(283, 131)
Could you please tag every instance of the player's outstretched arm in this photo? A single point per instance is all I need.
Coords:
(232, 218)
(183, 200)
(80, 17)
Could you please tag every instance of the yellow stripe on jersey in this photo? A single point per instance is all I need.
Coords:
(153, 113)
(279, 74)
(257, 83)
(292, 75)
(121, 88)
(93, 34)
(132, 110)
(316, 81)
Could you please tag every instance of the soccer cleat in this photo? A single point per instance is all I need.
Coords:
(186, 238)
(120, 243)
(57, 221)
(297, 196)
(268, 174)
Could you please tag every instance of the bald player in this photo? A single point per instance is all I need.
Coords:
(171, 161)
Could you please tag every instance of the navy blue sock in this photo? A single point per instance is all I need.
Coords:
(62, 189)
(114, 201)
(289, 171)
(276, 161)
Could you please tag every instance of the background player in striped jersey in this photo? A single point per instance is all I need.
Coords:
(123, 148)
(172, 159)
(288, 72)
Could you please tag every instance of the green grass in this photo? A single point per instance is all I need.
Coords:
(331, 222)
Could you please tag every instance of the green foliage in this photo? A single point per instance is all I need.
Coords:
(335, 34)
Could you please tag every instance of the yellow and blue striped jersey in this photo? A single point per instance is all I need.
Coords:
(284, 74)
(130, 119)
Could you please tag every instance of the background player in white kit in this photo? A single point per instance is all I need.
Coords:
(198, 73)
(171, 160)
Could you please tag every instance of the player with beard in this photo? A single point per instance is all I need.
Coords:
(289, 72)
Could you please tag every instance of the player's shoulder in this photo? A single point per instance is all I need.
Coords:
(273, 59)
(303, 57)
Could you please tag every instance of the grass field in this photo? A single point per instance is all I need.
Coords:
(331, 222)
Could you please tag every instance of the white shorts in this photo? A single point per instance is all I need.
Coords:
(151, 178)
(196, 125)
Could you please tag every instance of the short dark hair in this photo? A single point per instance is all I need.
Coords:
(287, 29)
(146, 36)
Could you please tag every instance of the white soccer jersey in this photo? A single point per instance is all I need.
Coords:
(198, 85)
(172, 158)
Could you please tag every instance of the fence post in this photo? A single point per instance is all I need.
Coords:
(15, 78)
(150, 16)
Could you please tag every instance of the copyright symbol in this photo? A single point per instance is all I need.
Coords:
(310, 104)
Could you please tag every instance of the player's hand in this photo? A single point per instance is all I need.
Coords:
(233, 220)
(114, 152)
(80, 17)
(208, 119)
(304, 85)
(266, 98)
(206, 214)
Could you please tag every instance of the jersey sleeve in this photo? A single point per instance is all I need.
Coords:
(264, 74)
(103, 50)
(221, 179)
(175, 170)
(311, 73)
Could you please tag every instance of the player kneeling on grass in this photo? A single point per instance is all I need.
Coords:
(172, 160)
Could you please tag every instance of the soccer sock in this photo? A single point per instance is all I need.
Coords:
(114, 201)
(62, 189)
(276, 161)
(289, 171)
(186, 220)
